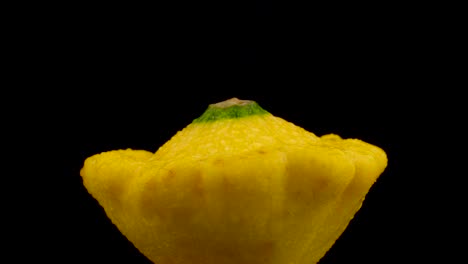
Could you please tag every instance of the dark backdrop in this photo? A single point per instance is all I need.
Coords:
(118, 76)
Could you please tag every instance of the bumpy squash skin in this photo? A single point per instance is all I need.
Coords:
(240, 187)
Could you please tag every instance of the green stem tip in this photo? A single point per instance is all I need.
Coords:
(230, 109)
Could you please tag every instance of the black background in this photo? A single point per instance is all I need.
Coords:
(104, 77)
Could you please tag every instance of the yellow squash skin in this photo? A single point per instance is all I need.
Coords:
(255, 189)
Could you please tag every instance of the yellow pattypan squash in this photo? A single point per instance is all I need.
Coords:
(237, 185)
